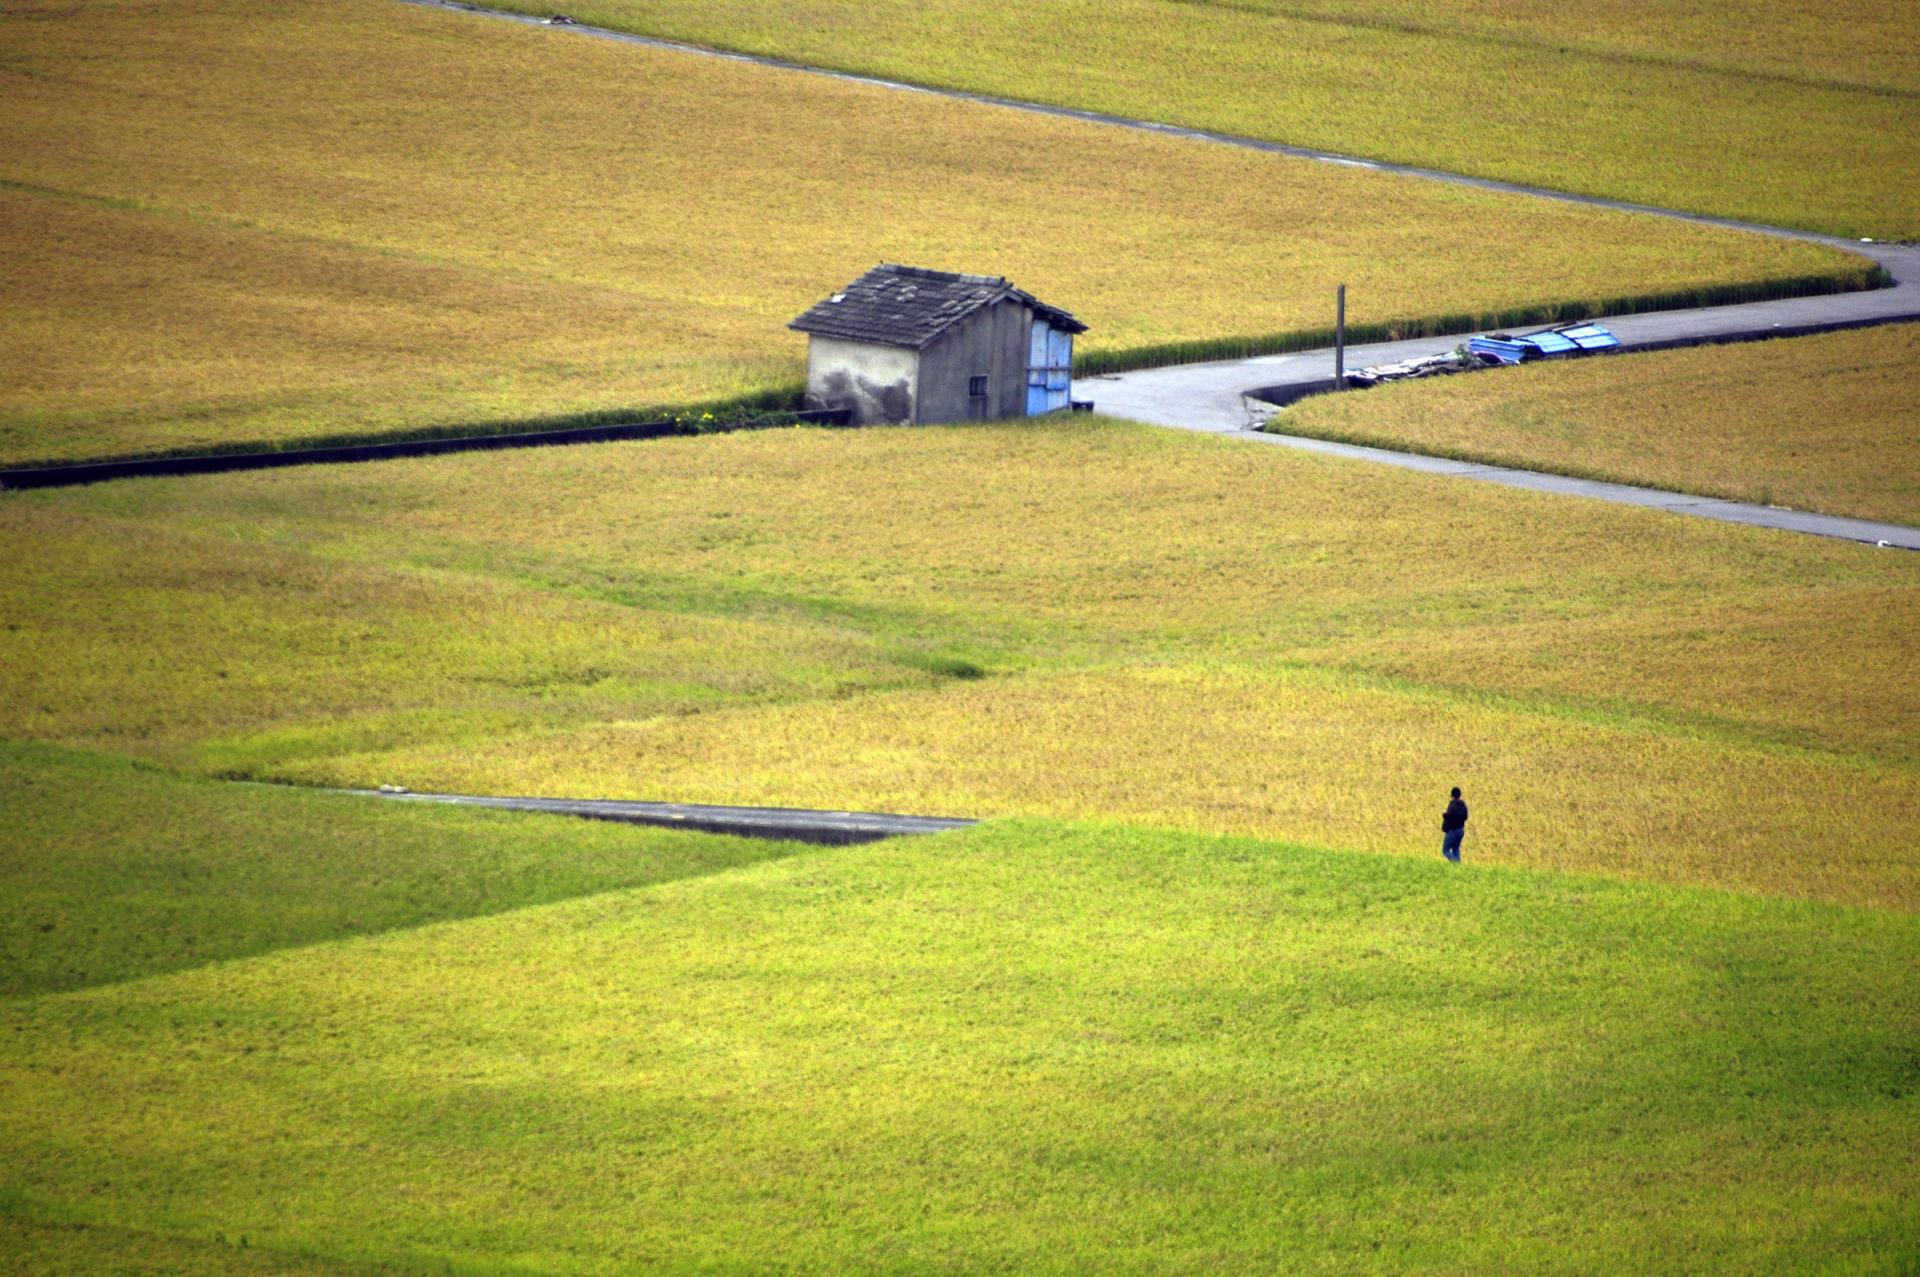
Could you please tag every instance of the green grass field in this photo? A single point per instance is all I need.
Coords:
(440, 222)
(113, 871)
(1787, 114)
(1817, 423)
(1030, 1047)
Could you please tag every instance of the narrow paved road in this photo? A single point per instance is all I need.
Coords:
(1218, 398)
(1215, 397)
(830, 828)
(1211, 396)
(1894, 536)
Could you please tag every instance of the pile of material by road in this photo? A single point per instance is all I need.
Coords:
(1491, 351)
(1413, 369)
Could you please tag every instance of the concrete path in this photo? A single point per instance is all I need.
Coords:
(830, 828)
(1218, 397)
(1885, 535)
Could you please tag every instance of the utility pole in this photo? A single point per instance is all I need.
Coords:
(1340, 338)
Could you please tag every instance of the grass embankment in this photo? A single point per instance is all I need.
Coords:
(1817, 423)
(1021, 1048)
(377, 219)
(1789, 115)
(112, 872)
(1066, 618)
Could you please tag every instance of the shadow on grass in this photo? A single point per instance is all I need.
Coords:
(116, 870)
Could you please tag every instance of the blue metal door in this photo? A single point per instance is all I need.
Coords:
(1037, 347)
(1059, 368)
(1049, 368)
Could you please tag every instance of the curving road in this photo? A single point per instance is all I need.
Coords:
(1217, 398)
(1211, 396)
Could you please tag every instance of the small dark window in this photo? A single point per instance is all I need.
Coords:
(977, 387)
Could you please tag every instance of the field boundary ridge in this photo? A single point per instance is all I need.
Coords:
(787, 824)
(55, 476)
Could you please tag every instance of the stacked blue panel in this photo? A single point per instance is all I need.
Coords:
(1591, 337)
(1549, 344)
(1504, 351)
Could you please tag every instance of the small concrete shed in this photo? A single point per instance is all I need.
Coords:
(906, 345)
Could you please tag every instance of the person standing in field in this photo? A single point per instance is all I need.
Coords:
(1453, 827)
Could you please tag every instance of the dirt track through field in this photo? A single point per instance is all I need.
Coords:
(1219, 397)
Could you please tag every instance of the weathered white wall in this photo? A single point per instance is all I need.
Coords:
(877, 382)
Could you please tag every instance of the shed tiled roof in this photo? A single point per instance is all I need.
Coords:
(894, 305)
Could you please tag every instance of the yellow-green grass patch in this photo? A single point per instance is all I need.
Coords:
(1855, 43)
(1347, 762)
(144, 638)
(376, 218)
(1786, 114)
(1024, 1048)
(1815, 423)
(112, 871)
(88, 1250)
(1069, 617)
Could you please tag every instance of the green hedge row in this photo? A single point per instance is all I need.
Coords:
(773, 406)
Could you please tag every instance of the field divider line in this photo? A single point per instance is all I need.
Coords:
(376, 449)
(786, 824)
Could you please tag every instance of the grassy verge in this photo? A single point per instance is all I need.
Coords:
(1770, 113)
(1070, 617)
(1028, 1048)
(1819, 423)
(113, 872)
(446, 220)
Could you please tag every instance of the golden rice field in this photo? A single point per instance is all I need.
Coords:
(1817, 423)
(377, 219)
(1794, 114)
(1061, 619)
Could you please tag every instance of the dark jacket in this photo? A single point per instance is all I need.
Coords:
(1455, 816)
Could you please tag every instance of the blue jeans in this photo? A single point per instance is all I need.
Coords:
(1450, 844)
